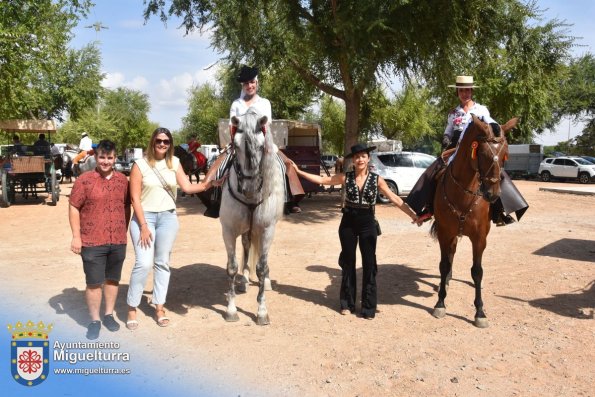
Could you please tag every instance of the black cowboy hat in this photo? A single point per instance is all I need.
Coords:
(359, 147)
(247, 74)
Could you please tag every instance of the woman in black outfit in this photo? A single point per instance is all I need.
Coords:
(358, 224)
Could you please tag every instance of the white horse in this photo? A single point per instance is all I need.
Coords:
(251, 204)
(86, 164)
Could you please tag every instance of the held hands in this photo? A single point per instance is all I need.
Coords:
(218, 182)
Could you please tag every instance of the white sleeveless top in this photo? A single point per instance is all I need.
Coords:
(154, 197)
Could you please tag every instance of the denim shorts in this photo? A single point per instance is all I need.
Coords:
(103, 262)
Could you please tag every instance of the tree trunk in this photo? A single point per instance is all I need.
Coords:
(352, 108)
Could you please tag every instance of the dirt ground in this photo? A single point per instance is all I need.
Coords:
(539, 295)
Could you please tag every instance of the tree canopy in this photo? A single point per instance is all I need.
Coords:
(340, 47)
(39, 76)
(578, 100)
(121, 116)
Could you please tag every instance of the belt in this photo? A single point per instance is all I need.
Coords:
(359, 206)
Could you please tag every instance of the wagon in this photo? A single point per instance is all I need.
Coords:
(28, 174)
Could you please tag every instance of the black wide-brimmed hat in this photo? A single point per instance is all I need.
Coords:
(247, 74)
(358, 148)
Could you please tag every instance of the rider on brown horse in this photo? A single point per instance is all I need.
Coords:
(421, 197)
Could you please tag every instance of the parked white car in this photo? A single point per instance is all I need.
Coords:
(567, 168)
(329, 160)
(400, 170)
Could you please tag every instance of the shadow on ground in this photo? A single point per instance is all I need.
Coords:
(568, 248)
(575, 304)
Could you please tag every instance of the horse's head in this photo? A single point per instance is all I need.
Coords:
(248, 139)
(489, 150)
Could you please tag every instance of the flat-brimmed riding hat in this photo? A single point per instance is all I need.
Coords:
(464, 82)
(247, 74)
(83, 134)
(358, 148)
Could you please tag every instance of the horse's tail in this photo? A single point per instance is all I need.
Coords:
(433, 231)
(254, 253)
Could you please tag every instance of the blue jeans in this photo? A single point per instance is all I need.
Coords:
(164, 229)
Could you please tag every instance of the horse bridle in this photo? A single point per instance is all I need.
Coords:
(495, 159)
(462, 215)
(241, 176)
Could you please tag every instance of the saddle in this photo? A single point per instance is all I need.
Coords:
(445, 156)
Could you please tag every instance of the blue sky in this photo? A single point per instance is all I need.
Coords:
(163, 63)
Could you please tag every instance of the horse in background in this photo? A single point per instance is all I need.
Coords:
(67, 161)
(462, 200)
(251, 204)
(192, 165)
(69, 169)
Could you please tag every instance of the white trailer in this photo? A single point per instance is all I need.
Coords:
(523, 160)
(133, 153)
(285, 133)
(387, 145)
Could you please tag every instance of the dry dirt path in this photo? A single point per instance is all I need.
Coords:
(538, 292)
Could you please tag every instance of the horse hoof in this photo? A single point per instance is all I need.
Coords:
(481, 322)
(232, 317)
(263, 320)
(267, 285)
(242, 287)
(439, 312)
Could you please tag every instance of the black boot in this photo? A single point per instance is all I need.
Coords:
(502, 219)
(212, 210)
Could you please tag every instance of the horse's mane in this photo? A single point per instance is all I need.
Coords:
(273, 190)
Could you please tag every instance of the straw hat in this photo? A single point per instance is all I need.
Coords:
(464, 82)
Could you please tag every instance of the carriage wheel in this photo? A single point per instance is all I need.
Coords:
(54, 188)
(5, 189)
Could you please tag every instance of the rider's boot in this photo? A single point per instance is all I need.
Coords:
(499, 217)
(212, 198)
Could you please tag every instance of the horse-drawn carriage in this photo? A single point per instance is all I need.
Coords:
(30, 171)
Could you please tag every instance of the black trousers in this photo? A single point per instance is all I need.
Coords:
(357, 225)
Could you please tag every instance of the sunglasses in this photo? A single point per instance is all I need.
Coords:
(162, 141)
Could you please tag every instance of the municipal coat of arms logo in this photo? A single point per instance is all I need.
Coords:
(29, 352)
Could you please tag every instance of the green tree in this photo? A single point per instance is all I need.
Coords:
(122, 116)
(340, 47)
(205, 107)
(578, 100)
(39, 76)
(523, 77)
(128, 110)
(208, 103)
(289, 94)
(332, 117)
(410, 116)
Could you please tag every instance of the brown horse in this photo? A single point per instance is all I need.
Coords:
(462, 203)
